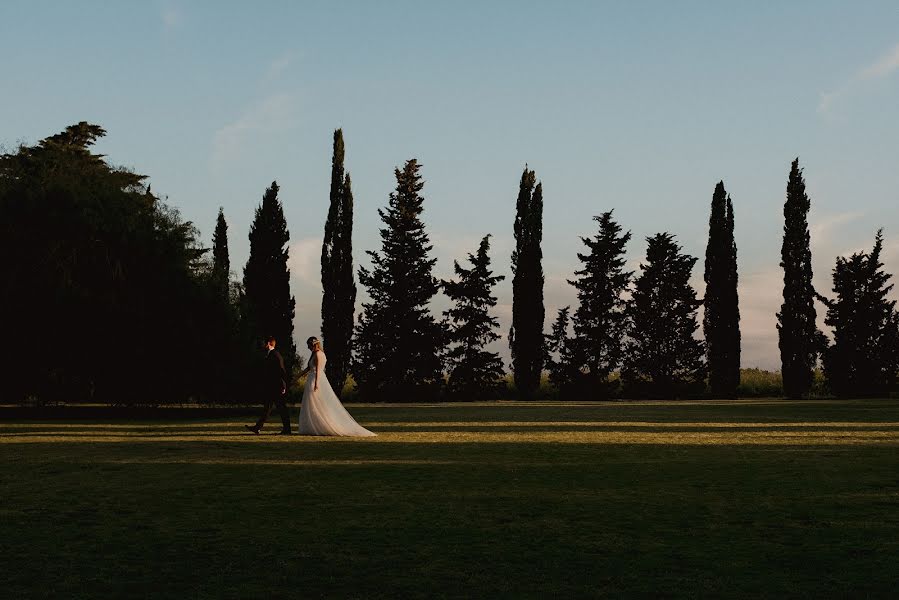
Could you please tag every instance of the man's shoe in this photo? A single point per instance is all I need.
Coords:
(285, 432)
(251, 428)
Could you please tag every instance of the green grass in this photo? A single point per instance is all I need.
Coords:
(737, 499)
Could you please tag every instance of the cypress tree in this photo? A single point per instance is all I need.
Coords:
(663, 357)
(221, 263)
(266, 278)
(798, 336)
(600, 319)
(526, 339)
(399, 345)
(474, 372)
(338, 285)
(721, 319)
(863, 359)
(227, 349)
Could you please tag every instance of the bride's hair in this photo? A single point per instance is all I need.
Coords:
(314, 341)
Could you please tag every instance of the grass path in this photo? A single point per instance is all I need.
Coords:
(738, 499)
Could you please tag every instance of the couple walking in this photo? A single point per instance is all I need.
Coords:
(321, 412)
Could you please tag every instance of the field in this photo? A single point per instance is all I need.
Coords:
(680, 499)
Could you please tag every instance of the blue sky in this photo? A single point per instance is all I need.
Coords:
(639, 106)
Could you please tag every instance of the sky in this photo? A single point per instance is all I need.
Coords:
(641, 107)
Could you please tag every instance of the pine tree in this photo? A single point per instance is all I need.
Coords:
(561, 365)
(266, 278)
(399, 345)
(338, 285)
(473, 371)
(600, 319)
(526, 339)
(864, 357)
(721, 319)
(663, 356)
(221, 263)
(798, 336)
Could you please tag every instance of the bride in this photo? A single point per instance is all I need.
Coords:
(321, 412)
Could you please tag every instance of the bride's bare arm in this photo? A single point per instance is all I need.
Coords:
(318, 370)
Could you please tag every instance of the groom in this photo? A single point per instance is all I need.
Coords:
(274, 388)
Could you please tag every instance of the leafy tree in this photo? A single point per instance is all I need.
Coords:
(864, 357)
(98, 269)
(338, 285)
(473, 371)
(221, 265)
(399, 345)
(799, 339)
(600, 320)
(269, 307)
(721, 319)
(663, 358)
(561, 365)
(526, 339)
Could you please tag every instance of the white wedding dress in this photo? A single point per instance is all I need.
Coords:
(321, 412)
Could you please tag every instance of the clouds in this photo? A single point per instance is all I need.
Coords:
(276, 111)
(172, 18)
(883, 67)
(822, 230)
(761, 294)
(278, 67)
(304, 261)
(270, 115)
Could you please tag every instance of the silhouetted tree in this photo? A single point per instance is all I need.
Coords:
(473, 371)
(600, 319)
(221, 263)
(721, 319)
(526, 339)
(799, 339)
(663, 357)
(338, 285)
(233, 351)
(100, 273)
(561, 366)
(399, 345)
(864, 357)
(268, 306)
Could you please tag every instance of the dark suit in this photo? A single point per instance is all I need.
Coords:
(274, 382)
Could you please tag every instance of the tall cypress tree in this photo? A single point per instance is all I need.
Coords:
(864, 357)
(399, 344)
(663, 356)
(221, 263)
(266, 278)
(721, 319)
(474, 372)
(228, 349)
(338, 285)
(798, 336)
(600, 319)
(526, 339)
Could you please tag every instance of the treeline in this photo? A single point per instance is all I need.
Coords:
(109, 297)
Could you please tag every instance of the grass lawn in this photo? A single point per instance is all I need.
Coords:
(681, 499)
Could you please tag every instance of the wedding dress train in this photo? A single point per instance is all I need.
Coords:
(321, 412)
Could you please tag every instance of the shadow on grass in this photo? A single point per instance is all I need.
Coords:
(429, 509)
